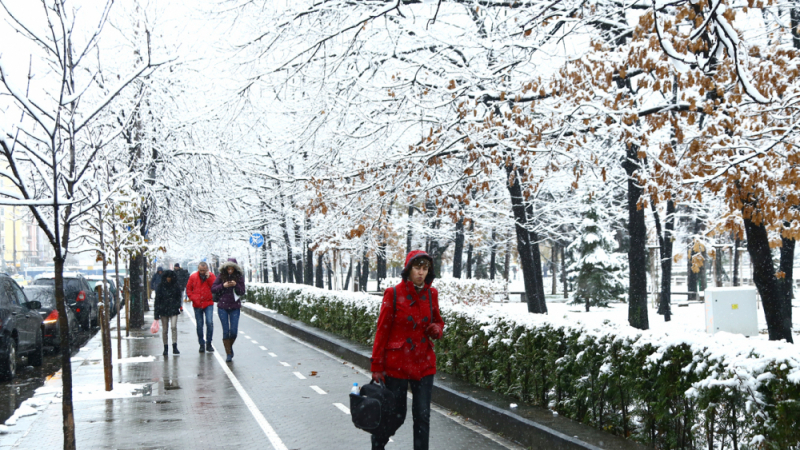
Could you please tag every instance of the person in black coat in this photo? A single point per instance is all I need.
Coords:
(183, 278)
(166, 308)
(156, 280)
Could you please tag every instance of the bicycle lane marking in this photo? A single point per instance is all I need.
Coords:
(273, 437)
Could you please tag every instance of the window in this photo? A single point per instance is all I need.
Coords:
(9, 294)
(17, 292)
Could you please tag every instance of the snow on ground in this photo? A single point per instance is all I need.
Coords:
(137, 359)
(98, 392)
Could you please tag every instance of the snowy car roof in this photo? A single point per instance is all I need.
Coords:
(65, 275)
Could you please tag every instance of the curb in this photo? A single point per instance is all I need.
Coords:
(530, 426)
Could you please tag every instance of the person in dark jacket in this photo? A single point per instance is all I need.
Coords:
(166, 308)
(183, 278)
(228, 286)
(403, 353)
(156, 280)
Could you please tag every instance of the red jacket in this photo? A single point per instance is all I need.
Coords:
(199, 292)
(402, 347)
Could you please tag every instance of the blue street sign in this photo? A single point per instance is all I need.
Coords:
(256, 240)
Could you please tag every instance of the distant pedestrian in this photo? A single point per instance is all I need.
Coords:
(198, 289)
(183, 278)
(228, 285)
(166, 307)
(156, 280)
(403, 352)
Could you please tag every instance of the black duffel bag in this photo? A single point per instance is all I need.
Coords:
(374, 410)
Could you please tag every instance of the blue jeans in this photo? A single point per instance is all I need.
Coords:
(420, 409)
(230, 322)
(204, 314)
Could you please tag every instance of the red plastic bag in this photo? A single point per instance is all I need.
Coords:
(154, 327)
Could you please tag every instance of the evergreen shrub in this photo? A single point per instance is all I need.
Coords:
(669, 392)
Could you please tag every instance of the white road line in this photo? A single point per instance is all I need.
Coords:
(273, 355)
(246, 336)
(285, 364)
(254, 342)
(344, 409)
(262, 347)
(299, 375)
(471, 426)
(318, 390)
(251, 405)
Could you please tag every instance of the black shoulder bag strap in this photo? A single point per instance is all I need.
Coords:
(394, 303)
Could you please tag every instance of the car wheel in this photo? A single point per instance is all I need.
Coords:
(8, 361)
(36, 358)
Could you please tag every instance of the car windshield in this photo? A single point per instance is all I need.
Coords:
(44, 296)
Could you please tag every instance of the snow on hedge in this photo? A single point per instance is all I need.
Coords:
(672, 390)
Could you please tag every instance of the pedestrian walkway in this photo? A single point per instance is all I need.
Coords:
(278, 393)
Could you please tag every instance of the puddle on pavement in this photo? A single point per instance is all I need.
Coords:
(29, 378)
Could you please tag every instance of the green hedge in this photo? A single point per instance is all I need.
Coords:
(670, 393)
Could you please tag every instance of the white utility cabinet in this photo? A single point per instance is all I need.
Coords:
(732, 309)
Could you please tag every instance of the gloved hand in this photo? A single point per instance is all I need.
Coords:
(379, 377)
(433, 331)
(156, 317)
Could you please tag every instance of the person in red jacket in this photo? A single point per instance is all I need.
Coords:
(198, 289)
(403, 353)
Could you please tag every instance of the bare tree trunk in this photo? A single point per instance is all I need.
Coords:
(776, 294)
(289, 257)
(665, 253)
(67, 413)
(556, 249)
(320, 281)
(524, 244)
(364, 270)
(564, 271)
(137, 291)
(381, 262)
(637, 254)
(297, 265)
(459, 248)
(469, 251)
(493, 256)
(736, 244)
(409, 233)
(330, 275)
(507, 261)
(309, 275)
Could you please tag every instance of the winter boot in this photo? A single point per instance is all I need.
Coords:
(209, 348)
(202, 348)
(166, 350)
(175, 349)
(233, 339)
(227, 344)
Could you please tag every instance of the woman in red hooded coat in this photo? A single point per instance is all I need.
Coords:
(403, 353)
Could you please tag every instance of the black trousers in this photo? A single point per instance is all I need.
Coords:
(420, 409)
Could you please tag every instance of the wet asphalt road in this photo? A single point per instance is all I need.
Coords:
(29, 378)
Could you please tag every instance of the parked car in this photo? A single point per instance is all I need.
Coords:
(95, 280)
(20, 328)
(46, 296)
(78, 295)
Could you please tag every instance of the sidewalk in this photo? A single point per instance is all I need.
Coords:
(174, 402)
